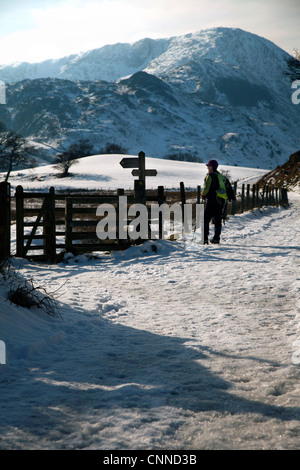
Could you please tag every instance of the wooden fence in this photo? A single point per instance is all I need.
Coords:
(249, 197)
(48, 223)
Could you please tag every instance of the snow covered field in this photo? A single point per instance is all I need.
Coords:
(105, 172)
(170, 345)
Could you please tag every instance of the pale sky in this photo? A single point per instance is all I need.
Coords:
(36, 30)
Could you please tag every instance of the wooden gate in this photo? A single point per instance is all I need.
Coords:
(49, 223)
(35, 224)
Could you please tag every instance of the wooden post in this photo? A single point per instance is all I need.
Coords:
(198, 194)
(68, 226)
(257, 195)
(120, 192)
(4, 220)
(273, 198)
(183, 199)
(139, 191)
(233, 205)
(243, 198)
(161, 200)
(49, 226)
(267, 196)
(248, 197)
(19, 222)
(253, 196)
(142, 165)
(140, 184)
(263, 196)
(276, 196)
(284, 197)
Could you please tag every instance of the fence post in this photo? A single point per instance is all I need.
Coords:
(257, 196)
(19, 222)
(68, 226)
(49, 226)
(243, 198)
(284, 197)
(233, 204)
(4, 220)
(161, 200)
(263, 196)
(248, 197)
(183, 201)
(120, 192)
(271, 196)
(198, 194)
(253, 196)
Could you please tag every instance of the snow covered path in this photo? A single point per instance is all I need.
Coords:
(172, 345)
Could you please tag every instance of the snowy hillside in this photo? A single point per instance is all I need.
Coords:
(105, 172)
(222, 93)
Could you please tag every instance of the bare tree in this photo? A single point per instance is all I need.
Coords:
(63, 163)
(14, 151)
(69, 157)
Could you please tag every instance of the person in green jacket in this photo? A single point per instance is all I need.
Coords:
(215, 194)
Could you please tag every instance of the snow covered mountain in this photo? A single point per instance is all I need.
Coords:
(234, 50)
(222, 93)
(107, 63)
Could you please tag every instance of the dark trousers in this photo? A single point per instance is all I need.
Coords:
(213, 210)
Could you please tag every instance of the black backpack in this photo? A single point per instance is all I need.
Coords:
(229, 191)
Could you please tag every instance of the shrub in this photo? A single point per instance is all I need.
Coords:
(184, 157)
(113, 148)
(24, 293)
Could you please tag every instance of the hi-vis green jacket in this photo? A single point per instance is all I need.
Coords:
(214, 187)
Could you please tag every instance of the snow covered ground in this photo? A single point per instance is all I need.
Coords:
(105, 172)
(169, 345)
